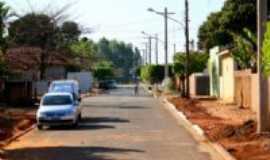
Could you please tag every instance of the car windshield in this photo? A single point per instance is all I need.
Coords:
(62, 88)
(57, 100)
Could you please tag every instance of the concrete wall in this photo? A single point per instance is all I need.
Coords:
(227, 83)
(199, 85)
(243, 88)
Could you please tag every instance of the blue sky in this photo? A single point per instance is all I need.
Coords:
(125, 19)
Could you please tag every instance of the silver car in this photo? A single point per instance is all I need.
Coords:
(58, 109)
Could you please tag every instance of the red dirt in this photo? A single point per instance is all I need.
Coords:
(13, 122)
(232, 127)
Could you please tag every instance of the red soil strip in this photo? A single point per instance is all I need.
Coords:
(236, 134)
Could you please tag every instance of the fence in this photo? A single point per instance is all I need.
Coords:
(245, 91)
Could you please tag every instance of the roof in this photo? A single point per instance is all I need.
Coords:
(225, 53)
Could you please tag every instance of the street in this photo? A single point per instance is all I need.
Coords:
(115, 126)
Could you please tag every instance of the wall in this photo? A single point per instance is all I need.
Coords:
(243, 88)
(227, 79)
(199, 85)
(246, 90)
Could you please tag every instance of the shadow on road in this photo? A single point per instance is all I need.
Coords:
(93, 123)
(104, 120)
(67, 153)
(116, 107)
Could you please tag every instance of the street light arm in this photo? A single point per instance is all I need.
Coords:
(176, 21)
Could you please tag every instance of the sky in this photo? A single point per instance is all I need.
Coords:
(124, 20)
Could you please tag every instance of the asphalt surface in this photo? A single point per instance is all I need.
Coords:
(115, 126)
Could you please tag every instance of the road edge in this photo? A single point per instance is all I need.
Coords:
(195, 130)
(17, 136)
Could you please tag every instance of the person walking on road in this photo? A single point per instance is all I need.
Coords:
(136, 87)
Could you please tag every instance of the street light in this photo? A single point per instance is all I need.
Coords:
(150, 37)
(165, 14)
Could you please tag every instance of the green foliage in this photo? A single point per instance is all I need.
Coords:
(103, 70)
(37, 30)
(4, 15)
(152, 73)
(220, 27)
(198, 62)
(124, 57)
(266, 51)
(211, 33)
(244, 51)
(86, 51)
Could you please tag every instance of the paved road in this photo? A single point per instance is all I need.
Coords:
(116, 126)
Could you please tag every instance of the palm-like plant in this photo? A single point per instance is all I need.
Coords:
(244, 51)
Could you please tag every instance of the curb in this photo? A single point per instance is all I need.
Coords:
(17, 136)
(196, 131)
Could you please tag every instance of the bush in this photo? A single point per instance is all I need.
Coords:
(103, 73)
(153, 73)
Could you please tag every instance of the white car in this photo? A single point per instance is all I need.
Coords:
(70, 86)
(58, 109)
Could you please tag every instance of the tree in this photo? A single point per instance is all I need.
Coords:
(4, 14)
(123, 56)
(86, 51)
(198, 62)
(103, 70)
(69, 33)
(221, 27)
(239, 14)
(211, 33)
(245, 48)
(35, 30)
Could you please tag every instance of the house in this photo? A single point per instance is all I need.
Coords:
(229, 84)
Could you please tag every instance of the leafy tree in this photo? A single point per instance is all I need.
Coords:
(86, 51)
(103, 70)
(152, 73)
(69, 33)
(245, 48)
(123, 56)
(221, 27)
(198, 62)
(211, 33)
(35, 30)
(239, 14)
(4, 14)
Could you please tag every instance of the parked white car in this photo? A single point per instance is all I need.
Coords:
(58, 109)
(70, 86)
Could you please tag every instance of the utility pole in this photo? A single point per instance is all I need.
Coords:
(166, 42)
(150, 49)
(187, 46)
(146, 54)
(263, 110)
(156, 37)
(174, 48)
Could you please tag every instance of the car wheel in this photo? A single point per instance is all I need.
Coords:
(40, 127)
